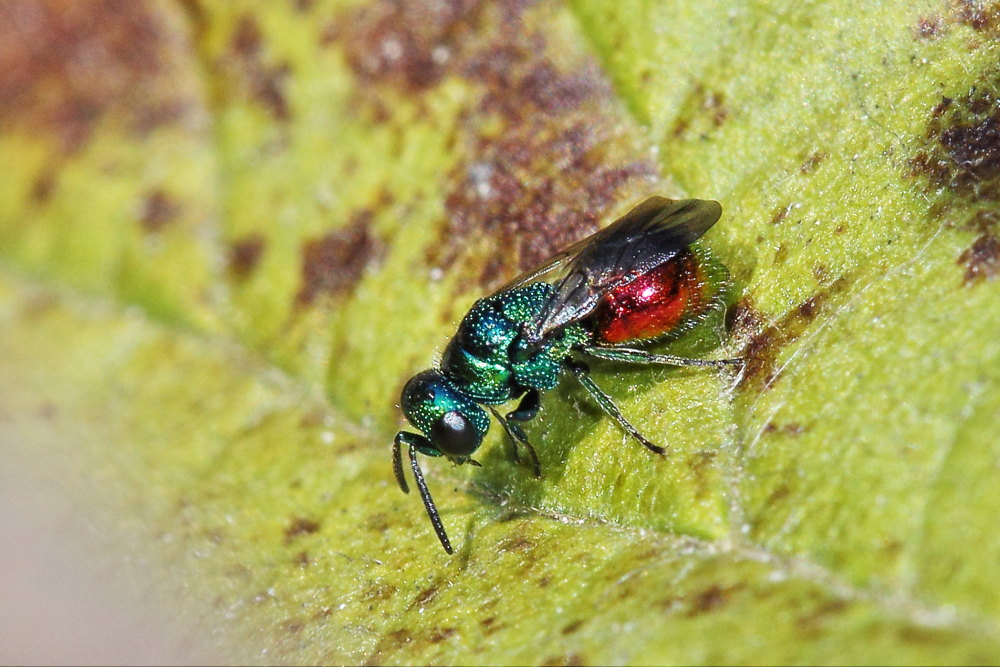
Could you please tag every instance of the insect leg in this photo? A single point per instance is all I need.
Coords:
(512, 439)
(527, 410)
(582, 373)
(425, 495)
(632, 356)
(517, 436)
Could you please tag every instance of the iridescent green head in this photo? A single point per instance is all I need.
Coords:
(453, 424)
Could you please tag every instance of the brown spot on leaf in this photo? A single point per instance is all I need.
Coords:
(66, 66)
(401, 636)
(980, 15)
(766, 340)
(245, 254)
(333, 263)
(426, 596)
(929, 27)
(42, 187)
(708, 600)
(405, 43)
(248, 64)
(379, 591)
(812, 161)
(490, 625)
(780, 214)
(378, 522)
(516, 543)
(545, 157)
(815, 620)
(963, 151)
(47, 410)
(441, 634)
(782, 491)
(962, 157)
(781, 254)
(567, 659)
(302, 559)
(981, 259)
(700, 104)
(572, 627)
(791, 428)
(298, 527)
(158, 211)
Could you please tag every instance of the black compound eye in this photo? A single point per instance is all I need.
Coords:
(455, 435)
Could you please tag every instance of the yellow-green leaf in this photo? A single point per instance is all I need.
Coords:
(230, 231)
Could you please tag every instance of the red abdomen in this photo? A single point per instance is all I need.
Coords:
(652, 305)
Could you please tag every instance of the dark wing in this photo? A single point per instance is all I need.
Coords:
(644, 238)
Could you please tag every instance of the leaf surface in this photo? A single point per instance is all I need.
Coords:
(229, 233)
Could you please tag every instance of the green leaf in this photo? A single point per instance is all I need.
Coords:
(229, 233)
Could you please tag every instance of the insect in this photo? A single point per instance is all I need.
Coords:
(635, 282)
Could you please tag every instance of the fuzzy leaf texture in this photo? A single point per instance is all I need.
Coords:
(230, 231)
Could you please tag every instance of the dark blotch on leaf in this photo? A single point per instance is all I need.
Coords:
(516, 543)
(981, 259)
(708, 600)
(788, 429)
(69, 65)
(333, 263)
(552, 159)
(264, 82)
(404, 43)
(701, 105)
(43, 186)
(47, 411)
(979, 15)
(298, 527)
(780, 214)
(929, 27)
(379, 591)
(815, 620)
(781, 254)
(244, 255)
(158, 211)
(766, 340)
(426, 596)
(401, 636)
(813, 160)
(963, 152)
(441, 634)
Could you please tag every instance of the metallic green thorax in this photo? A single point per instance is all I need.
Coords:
(489, 360)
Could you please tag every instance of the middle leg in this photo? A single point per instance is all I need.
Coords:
(582, 373)
(526, 410)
